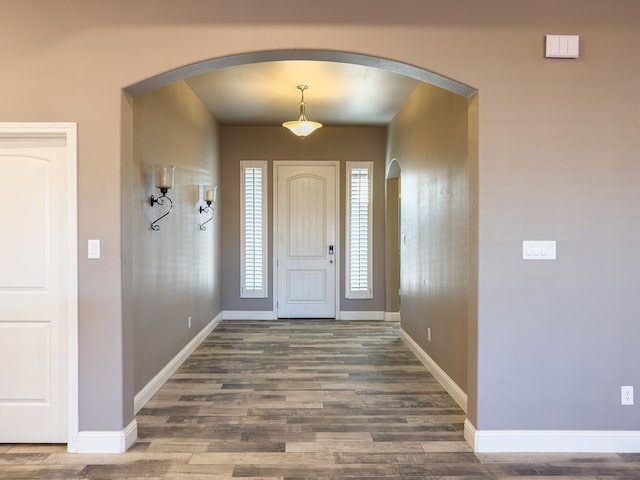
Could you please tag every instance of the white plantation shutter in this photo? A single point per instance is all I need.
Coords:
(359, 229)
(253, 211)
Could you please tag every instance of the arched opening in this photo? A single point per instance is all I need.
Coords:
(393, 240)
(436, 85)
(393, 66)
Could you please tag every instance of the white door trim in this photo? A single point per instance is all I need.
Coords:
(68, 131)
(274, 269)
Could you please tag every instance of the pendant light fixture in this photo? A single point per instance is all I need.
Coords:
(302, 127)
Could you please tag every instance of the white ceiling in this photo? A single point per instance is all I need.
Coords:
(266, 94)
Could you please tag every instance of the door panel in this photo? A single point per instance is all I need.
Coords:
(26, 243)
(33, 290)
(306, 228)
(307, 216)
(307, 286)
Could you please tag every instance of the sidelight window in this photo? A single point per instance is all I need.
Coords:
(253, 215)
(359, 230)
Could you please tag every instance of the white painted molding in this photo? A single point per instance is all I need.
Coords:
(470, 433)
(248, 315)
(130, 434)
(391, 316)
(565, 441)
(440, 375)
(354, 315)
(73, 406)
(68, 131)
(107, 441)
(151, 388)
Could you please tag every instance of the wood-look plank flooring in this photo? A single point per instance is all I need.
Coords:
(305, 399)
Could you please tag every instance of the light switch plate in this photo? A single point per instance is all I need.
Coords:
(93, 249)
(539, 250)
(562, 46)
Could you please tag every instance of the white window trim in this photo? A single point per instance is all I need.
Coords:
(244, 291)
(368, 292)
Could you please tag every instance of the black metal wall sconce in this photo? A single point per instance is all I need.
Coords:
(209, 198)
(164, 181)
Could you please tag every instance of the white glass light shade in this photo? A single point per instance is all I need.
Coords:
(164, 176)
(302, 128)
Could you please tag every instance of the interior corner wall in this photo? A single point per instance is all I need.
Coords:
(127, 170)
(472, 299)
(173, 273)
(276, 143)
(392, 251)
(428, 138)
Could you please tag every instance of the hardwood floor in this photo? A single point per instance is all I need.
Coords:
(299, 400)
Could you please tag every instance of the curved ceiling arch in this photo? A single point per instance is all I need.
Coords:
(259, 88)
(393, 66)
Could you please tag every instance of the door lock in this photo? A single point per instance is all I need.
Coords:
(330, 249)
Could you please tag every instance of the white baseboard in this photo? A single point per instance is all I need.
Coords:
(470, 433)
(151, 388)
(440, 375)
(107, 441)
(391, 316)
(269, 315)
(248, 315)
(545, 441)
(354, 315)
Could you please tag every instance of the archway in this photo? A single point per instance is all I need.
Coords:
(393, 66)
(393, 167)
(393, 239)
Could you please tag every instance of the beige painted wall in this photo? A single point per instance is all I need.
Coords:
(428, 138)
(276, 143)
(392, 245)
(472, 264)
(557, 159)
(173, 273)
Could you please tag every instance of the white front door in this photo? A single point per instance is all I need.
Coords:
(306, 239)
(34, 287)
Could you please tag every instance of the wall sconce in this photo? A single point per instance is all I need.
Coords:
(210, 194)
(164, 181)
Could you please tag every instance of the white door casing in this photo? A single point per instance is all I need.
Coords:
(38, 283)
(306, 239)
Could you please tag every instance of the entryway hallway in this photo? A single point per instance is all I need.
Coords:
(304, 399)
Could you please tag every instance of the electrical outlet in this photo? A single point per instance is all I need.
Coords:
(189, 321)
(429, 334)
(626, 395)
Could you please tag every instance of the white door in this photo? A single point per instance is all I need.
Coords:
(306, 236)
(34, 287)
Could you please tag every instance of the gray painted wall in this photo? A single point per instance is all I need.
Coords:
(428, 138)
(392, 240)
(172, 273)
(557, 159)
(276, 143)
